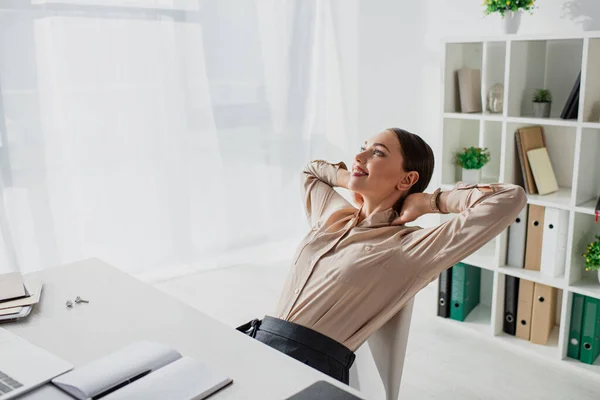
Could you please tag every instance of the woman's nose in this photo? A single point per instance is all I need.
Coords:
(360, 157)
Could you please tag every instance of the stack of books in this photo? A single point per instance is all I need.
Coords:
(17, 296)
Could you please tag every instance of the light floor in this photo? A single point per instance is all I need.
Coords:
(443, 361)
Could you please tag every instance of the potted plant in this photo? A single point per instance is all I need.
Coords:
(592, 256)
(510, 11)
(471, 160)
(542, 102)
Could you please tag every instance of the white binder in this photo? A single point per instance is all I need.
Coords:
(517, 238)
(554, 243)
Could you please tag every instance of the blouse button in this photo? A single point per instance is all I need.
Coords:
(368, 248)
(296, 291)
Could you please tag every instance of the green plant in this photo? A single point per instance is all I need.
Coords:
(592, 255)
(501, 6)
(473, 157)
(542, 96)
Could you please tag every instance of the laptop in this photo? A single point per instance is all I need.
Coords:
(323, 390)
(24, 366)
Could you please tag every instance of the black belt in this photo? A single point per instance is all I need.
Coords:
(303, 335)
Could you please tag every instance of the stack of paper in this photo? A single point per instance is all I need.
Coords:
(17, 296)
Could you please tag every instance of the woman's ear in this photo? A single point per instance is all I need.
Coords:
(408, 180)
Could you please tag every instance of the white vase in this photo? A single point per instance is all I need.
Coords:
(471, 176)
(511, 22)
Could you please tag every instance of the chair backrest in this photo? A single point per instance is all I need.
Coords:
(388, 347)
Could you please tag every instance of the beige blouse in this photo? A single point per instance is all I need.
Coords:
(347, 279)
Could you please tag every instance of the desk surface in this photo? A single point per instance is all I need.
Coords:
(123, 310)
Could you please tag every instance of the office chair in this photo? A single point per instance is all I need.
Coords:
(388, 347)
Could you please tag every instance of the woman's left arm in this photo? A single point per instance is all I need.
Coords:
(483, 212)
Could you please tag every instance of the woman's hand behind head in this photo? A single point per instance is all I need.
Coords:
(415, 205)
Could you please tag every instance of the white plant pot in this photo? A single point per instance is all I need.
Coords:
(471, 176)
(511, 22)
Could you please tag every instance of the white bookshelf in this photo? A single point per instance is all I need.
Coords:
(522, 64)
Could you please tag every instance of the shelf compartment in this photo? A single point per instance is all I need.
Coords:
(534, 276)
(479, 319)
(588, 207)
(549, 64)
(542, 121)
(588, 286)
(591, 104)
(459, 55)
(494, 71)
(560, 199)
(492, 139)
(547, 351)
(457, 135)
(561, 143)
(588, 181)
(584, 230)
(591, 370)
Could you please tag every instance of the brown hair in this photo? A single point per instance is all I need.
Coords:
(418, 157)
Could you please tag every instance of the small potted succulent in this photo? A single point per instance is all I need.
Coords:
(471, 160)
(542, 102)
(592, 256)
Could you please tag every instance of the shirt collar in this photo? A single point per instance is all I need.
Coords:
(377, 219)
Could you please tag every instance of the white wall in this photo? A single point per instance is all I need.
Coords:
(400, 54)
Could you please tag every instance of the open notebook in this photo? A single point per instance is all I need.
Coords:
(143, 370)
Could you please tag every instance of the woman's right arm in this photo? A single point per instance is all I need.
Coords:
(483, 212)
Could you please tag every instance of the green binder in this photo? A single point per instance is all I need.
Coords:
(590, 332)
(464, 296)
(575, 327)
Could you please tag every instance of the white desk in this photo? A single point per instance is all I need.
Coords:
(123, 310)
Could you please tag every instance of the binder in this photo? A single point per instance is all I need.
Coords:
(535, 231)
(444, 288)
(529, 138)
(511, 295)
(524, 308)
(554, 243)
(517, 235)
(466, 280)
(590, 332)
(542, 170)
(575, 326)
(542, 313)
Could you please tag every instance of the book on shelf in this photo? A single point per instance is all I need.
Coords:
(528, 138)
(571, 107)
(542, 170)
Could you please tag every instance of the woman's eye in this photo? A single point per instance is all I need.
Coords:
(380, 153)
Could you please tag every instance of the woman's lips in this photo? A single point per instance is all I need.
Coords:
(358, 172)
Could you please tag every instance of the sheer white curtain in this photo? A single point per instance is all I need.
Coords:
(166, 136)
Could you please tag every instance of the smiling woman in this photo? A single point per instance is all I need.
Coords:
(356, 268)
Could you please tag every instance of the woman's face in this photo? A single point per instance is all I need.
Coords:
(378, 170)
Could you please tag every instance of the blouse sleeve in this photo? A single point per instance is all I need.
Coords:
(317, 181)
(481, 216)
